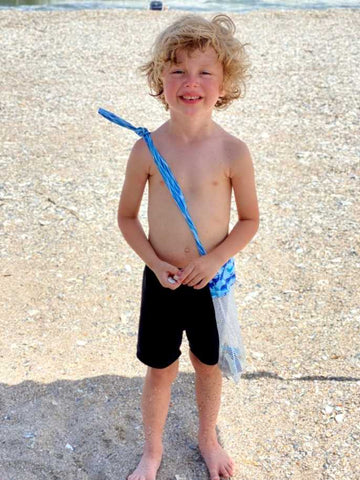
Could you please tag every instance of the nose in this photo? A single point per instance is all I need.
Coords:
(191, 80)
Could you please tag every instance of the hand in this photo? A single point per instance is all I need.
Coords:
(200, 271)
(167, 274)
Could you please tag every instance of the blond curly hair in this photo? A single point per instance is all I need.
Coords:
(193, 32)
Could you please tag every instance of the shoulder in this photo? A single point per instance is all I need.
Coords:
(140, 157)
(234, 147)
(140, 149)
(236, 153)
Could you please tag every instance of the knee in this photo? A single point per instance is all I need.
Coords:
(163, 375)
(202, 369)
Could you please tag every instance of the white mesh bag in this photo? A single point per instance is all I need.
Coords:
(231, 348)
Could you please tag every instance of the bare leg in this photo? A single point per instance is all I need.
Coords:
(208, 395)
(155, 406)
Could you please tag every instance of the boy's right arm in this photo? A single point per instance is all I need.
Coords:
(137, 174)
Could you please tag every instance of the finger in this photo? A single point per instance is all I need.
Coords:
(170, 275)
(195, 280)
(172, 282)
(170, 286)
(191, 277)
(177, 275)
(184, 275)
(202, 284)
(173, 271)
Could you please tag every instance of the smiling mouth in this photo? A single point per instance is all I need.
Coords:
(190, 98)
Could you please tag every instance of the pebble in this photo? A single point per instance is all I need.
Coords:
(257, 355)
(251, 296)
(339, 418)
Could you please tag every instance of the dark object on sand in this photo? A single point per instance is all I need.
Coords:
(156, 5)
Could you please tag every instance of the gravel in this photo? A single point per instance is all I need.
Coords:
(70, 383)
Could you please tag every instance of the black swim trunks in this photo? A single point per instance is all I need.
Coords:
(166, 313)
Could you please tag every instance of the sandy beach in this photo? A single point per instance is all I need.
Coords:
(70, 382)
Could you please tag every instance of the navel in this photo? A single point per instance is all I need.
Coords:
(187, 250)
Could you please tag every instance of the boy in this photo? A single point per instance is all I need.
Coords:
(197, 66)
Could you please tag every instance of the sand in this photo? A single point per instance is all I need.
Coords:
(70, 382)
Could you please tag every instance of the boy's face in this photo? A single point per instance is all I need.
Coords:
(194, 83)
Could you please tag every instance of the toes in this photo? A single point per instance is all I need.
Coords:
(227, 471)
(230, 468)
(224, 473)
(214, 475)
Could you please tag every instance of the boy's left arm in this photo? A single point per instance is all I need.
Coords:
(200, 271)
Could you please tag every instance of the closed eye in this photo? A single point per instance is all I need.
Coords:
(205, 73)
(177, 72)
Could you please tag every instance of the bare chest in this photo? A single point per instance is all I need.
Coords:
(199, 172)
(204, 181)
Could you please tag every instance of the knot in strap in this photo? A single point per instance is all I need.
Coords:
(142, 131)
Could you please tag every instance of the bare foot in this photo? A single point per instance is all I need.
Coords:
(148, 466)
(217, 460)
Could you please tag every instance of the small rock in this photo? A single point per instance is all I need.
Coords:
(336, 260)
(339, 417)
(251, 295)
(328, 409)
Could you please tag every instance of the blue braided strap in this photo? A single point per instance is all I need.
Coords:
(225, 277)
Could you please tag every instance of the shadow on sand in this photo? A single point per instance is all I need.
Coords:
(91, 429)
(306, 378)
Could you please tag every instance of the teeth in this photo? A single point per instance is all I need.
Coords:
(190, 98)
